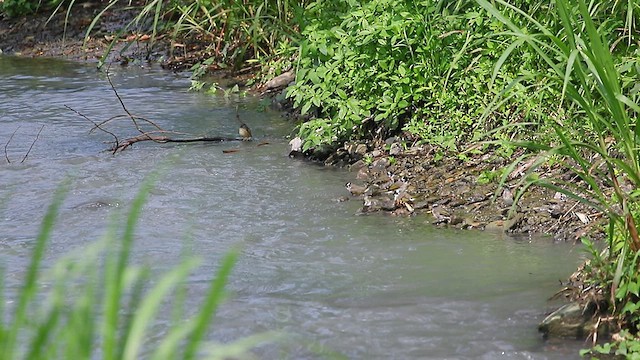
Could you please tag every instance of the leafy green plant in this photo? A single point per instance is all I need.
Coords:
(392, 160)
(581, 64)
(376, 68)
(15, 8)
(488, 176)
(113, 307)
(238, 31)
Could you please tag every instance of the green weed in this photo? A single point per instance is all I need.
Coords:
(15, 8)
(377, 68)
(96, 303)
(581, 64)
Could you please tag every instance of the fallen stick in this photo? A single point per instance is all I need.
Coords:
(165, 139)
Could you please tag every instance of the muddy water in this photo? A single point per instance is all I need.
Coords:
(366, 287)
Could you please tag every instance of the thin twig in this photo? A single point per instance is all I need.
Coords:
(124, 115)
(6, 155)
(96, 126)
(561, 218)
(33, 143)
(595, 331)
(133, 118)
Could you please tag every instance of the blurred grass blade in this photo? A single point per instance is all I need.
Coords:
(149, 306)
(29, 287)
(238, 349)
(210, 305)
(115, 270)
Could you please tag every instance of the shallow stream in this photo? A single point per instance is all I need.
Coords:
(367, 287)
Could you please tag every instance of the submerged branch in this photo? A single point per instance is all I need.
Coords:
(165, 139)
(6, 155)
(96, 125)
(32, 144)
(158, 135)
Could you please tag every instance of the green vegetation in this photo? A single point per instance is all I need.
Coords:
(559, 78)
(15, 8)
(425, 67)
(237, 33)
(601, 82)
(95, 303)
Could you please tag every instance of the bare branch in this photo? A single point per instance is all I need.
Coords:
(33, 143)
(165, 139)
(6, 155)
(96, 126)
(158, 135)
(131, 116)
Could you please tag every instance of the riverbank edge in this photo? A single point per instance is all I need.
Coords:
(395, 176)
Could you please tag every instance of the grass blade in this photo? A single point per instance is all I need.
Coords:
(211, 303)
(149, 306)
(29, 287)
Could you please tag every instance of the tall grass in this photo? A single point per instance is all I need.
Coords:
(606, 159)
(96, 304)
(237, 31)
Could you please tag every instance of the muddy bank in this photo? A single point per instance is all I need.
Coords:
(38, 36)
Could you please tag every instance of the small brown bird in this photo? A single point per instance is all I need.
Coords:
(245, 132)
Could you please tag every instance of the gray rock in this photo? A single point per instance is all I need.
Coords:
(357, 165)
(360, 149)
(496, 226)
(507, 197)
(514, 221)
(396, 149)
(380, 164)
(572, 321)
(296, 144)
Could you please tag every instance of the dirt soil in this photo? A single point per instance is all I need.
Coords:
(44, 35)
(394, 176)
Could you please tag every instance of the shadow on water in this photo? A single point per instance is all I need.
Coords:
(371, 287)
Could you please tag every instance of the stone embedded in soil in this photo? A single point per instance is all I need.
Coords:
(573, 321)
(395, 149)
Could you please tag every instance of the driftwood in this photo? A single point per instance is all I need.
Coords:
(165, 139)
(278, 83)
(157, 134)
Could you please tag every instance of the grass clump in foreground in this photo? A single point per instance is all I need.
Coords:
(602, 85)
(99, 305)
